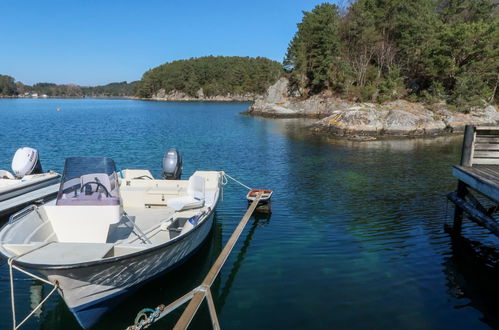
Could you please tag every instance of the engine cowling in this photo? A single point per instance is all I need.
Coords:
(26, 161)
(172, 165)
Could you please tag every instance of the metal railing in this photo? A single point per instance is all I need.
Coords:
(18, 215)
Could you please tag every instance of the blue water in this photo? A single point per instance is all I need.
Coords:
(356, 239)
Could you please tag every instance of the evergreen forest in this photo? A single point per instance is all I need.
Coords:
(378, 50)
(215, 75)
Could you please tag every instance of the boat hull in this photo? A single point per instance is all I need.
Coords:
(23, 188)
(90, 291)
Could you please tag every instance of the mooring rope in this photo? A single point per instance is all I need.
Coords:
(12, 296)
(224, 181)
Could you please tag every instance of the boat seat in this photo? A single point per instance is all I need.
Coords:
(185, 203)
(195, 195)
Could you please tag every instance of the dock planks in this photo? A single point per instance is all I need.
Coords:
(482, 178)
(479, 172)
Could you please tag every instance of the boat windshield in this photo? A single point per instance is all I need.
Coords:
(88, 181)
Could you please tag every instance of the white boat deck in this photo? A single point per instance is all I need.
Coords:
(10, 205)
(67, 253)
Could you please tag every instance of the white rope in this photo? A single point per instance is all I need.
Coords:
(12, 301)
(12, 297)
(32, 275)
(228, 176)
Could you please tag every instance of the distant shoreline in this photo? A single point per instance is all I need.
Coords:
(214, 99)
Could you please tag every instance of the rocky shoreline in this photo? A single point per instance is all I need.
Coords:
(338, 117)
(162, 95)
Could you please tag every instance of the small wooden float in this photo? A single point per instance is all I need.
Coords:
(264, 205)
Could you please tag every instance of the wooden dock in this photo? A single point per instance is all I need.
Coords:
(477, 173)
(11, 205)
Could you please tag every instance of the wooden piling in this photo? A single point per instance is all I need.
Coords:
(466, 158)
(467, 148)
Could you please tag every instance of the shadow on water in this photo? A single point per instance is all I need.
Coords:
(472, 272)
(259, 220)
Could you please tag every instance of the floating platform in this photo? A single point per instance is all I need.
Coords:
(477, 173)
(9, 206)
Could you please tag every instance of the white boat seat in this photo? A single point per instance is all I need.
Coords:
(195, 195)
(185, 203)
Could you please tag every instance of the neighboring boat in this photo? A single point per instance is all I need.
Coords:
(264, 205)
(28, 175)
(106, 234)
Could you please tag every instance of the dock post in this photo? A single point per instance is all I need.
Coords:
(467, 148)
(466, 160)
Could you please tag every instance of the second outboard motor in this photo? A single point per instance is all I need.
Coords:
(172, 165)
(26, 161)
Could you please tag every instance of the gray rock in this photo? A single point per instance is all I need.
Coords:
(341, 117)
(401, 122)
(278, 92)
(355, 121)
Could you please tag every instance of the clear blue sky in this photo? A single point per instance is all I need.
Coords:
(97, 42)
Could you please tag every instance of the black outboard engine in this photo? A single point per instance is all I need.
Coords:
(172, 165)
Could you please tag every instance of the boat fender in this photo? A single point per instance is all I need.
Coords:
(189, 224)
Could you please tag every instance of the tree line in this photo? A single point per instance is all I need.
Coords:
(9, 87)
(378, 50)
(213, 75)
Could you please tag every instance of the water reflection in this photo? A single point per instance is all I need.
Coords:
(259, 220)
(36, 296)
(300, 129)
(472, 272)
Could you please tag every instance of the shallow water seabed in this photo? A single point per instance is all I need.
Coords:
(355, 239)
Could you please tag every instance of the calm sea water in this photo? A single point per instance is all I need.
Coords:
(355, 240)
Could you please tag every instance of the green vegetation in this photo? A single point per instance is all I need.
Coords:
(215, 75)
(387, 49)
(8, 87)
(113, 89)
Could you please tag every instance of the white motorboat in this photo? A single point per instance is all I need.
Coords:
(28, 175)
(106, 234)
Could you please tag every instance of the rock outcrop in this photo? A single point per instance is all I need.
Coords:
(162, 95)
(345, 118)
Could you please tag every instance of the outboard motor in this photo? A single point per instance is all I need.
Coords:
(26, 161)
(172, 165)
